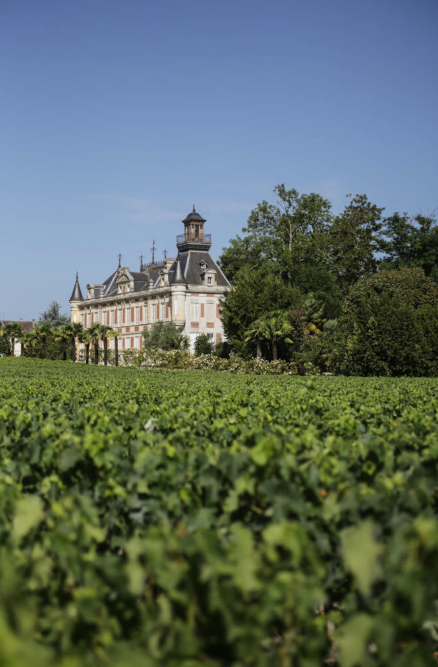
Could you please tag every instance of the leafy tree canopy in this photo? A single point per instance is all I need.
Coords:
(53, 316)
(165, 336)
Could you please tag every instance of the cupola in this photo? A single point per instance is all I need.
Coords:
(193, 237)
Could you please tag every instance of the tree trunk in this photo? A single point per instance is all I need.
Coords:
(274, 349)
(96, 352)
(116, 351)
(12, 346)
(105, 351)
(22, 349)
(259, 348)
(64, 350)
(87, 353)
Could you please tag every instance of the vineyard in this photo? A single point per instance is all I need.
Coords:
(183, 519)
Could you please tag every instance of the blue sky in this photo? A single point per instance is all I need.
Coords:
(117, 115)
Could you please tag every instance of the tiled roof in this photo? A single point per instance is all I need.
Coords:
(25, 324)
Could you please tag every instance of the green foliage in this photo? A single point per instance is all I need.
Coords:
(410, 243)
(53, 316)
(254, 294)
(165, 336)
(165, 519)
(5, 344)
(355, 239)
(203, 345)
(391, 325)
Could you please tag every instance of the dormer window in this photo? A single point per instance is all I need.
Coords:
(203, 264)
(209, 280)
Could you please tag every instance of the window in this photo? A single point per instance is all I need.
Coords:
(128, 342)
(137, 342)
(194, 310)
(154, 313)
(112, 317)
(119, 317)
(128, 317)
(210, 311)
(146, 310)
(104, 317)
(137, 315)
(162, 312)
(210, 335)
(209, 280)
(83, 319)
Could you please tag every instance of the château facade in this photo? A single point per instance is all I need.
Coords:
(187, 290)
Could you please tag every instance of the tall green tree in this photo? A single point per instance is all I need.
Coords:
(292, 231)
(53, 317)
(254, 294)
(355, 240)
(410, 243)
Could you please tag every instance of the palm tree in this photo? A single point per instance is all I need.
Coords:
(279, 329)
(76, 329)
(63, 334)
(27, 339)
(115, 335)
(13, 331)
(104, 333)
(94, 332)
(85, 338)
(43, 331)
(259, 331)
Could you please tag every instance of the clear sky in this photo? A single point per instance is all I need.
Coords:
(117, 115)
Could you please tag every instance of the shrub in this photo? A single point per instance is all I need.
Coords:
(391, 325)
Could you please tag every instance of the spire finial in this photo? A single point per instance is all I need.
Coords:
(153, 251)
(141, 262)
(77, 275)
(193, 209)
(120, 260)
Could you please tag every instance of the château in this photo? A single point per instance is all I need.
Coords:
(187, 290)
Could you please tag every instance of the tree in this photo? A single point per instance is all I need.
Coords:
(165, 336)
(104, 333)
(94, 333)
(410, 243)
(53, 316)
(258, 331)
(13, 331)
(28, 339)
(76, 329)
(84, 337)
(43, 332)
(390, 321)
(292, 231)
(255, 293)
(203, 345)
(354, 240)
(115, 335)
(63, 334)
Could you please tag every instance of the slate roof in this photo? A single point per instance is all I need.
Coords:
(193, 216)
(76, 295)
(191, 270)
